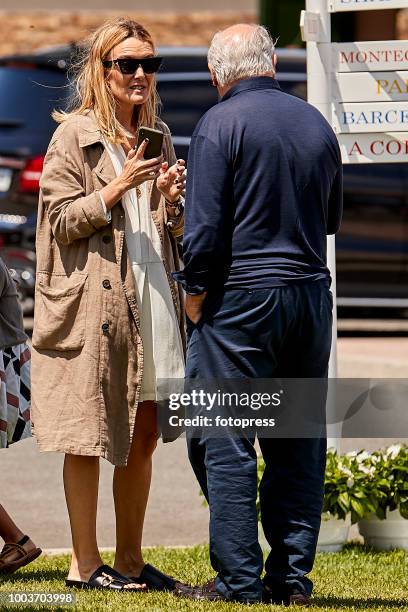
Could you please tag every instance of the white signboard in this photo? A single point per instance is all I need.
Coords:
(370, 117)
(374, 148)
(369, 56)
(370, 87)
(365, 5)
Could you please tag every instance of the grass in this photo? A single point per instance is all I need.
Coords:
(355, 579)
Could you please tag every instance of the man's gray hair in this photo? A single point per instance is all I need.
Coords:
(238, 57)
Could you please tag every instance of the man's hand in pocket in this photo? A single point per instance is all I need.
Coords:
(194, 306)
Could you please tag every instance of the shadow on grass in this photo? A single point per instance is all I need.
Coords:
(37, 575)
(359, 604)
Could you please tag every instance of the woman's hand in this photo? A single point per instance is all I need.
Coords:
(137, 170)
(171, 181)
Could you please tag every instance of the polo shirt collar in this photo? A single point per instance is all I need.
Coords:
(261, 82)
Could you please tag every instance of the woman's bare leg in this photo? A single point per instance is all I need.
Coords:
(8, 529)
(10, 533)
(131, 486)
(81, 482)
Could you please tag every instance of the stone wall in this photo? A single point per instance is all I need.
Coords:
(22, 32)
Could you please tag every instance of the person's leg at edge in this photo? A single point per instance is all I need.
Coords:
(131, 486)
(11, 533)
(81, 482)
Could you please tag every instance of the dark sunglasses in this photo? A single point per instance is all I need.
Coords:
(129, 66)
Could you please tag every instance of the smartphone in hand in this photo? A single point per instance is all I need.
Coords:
(154, 147)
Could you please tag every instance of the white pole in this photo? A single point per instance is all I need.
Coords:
(319, 94)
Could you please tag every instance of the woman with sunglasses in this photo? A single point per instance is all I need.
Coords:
(108, 320)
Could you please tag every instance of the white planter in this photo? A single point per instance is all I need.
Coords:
(389, 533)
(333, 534)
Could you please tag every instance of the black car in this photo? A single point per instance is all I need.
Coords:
(372, 246)
(17, 248)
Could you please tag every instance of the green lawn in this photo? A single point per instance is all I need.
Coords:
(356, 579)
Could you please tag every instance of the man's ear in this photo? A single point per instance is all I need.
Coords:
(274, 61)
(213, 77)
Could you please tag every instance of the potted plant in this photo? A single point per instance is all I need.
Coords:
(349, 496)
(387, 526)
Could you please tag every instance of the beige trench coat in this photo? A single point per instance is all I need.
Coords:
(87, 360)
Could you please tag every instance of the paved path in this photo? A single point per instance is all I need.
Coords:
(175, 513)
(31, 484)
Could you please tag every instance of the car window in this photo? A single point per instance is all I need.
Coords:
(185, 100)
(291, 75)
(183, 63)
(295, 88)
(28, 97)
(374, 183)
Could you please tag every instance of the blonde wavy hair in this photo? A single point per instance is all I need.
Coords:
(88, 75)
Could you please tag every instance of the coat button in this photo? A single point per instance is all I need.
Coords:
(106, 239)
(106, 284)
(105, 327)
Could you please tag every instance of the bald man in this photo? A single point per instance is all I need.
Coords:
(264, 189)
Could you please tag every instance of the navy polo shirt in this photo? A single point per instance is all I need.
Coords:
(264, 188)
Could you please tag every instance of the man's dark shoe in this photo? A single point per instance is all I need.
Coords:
(275, 595)
(283, 595)
(299, 599)
(205, 592)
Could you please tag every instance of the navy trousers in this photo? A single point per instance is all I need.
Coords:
(264, 333)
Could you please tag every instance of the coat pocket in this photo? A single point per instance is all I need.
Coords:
(60, 311)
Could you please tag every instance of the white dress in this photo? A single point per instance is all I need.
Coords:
(163, 357)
